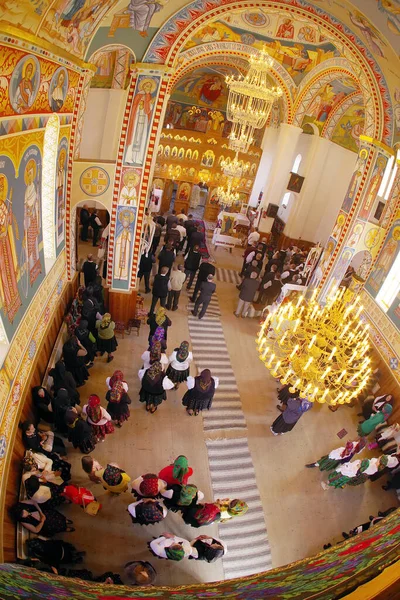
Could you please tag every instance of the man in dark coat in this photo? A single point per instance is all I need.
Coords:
(171, 219)
(156, 236)
(266, 278)
(146, 264)
(196, 238)
(161, 287)
(192, 263)
(166, 258)
(207, 289)
(89, 270)
(173, 236)
(273, 289)
(205, 269)
(189, 226)
(248, 291)
(84, 219)
(96, 226)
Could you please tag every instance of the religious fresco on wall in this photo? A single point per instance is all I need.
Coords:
(340, 221)
(140, 120)
(372, 187)
(30, 84)
(203, 87)
(123, 247)
(61, 174)
(21, 247)
(372, 37)
(196, 118)
(130, 182)
(385, 260)
(349, 128)
(107, 63)
(136, 15)
(355, 180)
(336, 276)
(327, 99)
(323, 263)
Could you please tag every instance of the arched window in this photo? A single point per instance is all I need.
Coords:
(50, 148)
(296, 164)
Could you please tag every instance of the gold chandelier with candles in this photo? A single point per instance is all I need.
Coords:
(233, 168)
(320, 351)
(251, 97)
(241, 137)
(228, 196)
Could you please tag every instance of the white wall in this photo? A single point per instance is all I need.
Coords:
(268, 146)
(102, 124)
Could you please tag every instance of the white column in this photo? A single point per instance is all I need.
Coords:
(264, 167)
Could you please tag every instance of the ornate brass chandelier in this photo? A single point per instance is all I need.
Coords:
(233, 168)
(321, 352)
(228, 196)
(241, 137)
(251, 97)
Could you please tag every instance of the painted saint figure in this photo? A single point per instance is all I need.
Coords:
(60, 192)
(32, 221)
(57, 95)
(286, 29)
(128, 194)
(123, 246)
(139, 123)
(9, 294)
(141, 13)
(24, 95)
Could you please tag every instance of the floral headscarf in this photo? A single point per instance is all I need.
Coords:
(112, 475)
(105, 321)
(154, 371)
(174, 552)
(93, 410)
(160, 316)
(205, 379)
(183, 352)
(29, 462)
(158, 336)
(151, 512)
(207, 514)
(149, 486)
(117, 391)
(180, 468)
(237, 508)
(187, 495)
(155, 352)
(116, 376)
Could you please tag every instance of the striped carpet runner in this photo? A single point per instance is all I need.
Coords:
(227, 275)
(232, 476)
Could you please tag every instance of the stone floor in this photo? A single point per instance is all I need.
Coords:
(300, 516)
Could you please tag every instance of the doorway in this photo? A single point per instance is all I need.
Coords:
(95, 241)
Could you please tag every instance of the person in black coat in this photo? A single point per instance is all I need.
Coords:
(84, 219)
(207, 289)
(158, 320)
(87, 340)
(192, 263)
(161, 288)
(190, 227)
(145, 266)
(74, 358)
(205, 269)
(166, 258)
(90, 309)
(196, 238)
(89, 270)
(156, 236)
(273, 289)
(96, 226)
(60, 404)
(98, 294)
(266, 278)
(42, 403)
(63, 379)
(248, 291)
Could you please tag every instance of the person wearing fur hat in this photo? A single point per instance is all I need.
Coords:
(114, 479)
(106, 341)
(179, 367)
(207, 548)
(171, 547)
(177, 473)
(339, 456)
(181, 497)
(147, 511)
(98, 418)
(148, 486)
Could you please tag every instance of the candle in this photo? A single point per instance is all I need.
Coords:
(316, 390)
(314, 337)
(297, 383)
(263, 342)
(344, 331)
(343, 373)
(269, 364)
(284, 380)
(275, 371)
(332, 354)
(300, 300)
(294, 351)
(324, 395)
(308, 363)
(265, 353)
(283, 338)
(325, 373)
(358, 312)
(296, 326)
(279, 323)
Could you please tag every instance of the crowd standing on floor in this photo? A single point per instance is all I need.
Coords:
(60, 417)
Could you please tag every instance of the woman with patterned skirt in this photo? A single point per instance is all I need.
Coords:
(179, 367)
(154, 385)
(200, 392)
(98, 418)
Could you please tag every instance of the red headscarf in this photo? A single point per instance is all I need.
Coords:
(116, 376)
(117, 391)
(93, 410)
(207, 514)
(149, 486)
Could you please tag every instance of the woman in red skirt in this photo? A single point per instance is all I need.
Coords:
(98, 418)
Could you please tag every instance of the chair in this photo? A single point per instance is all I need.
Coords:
(120, 327)
(140, 311)
(134, 324)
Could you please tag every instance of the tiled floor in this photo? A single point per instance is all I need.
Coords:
(300, 516)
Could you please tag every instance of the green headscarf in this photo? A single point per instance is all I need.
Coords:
(188, 492)
(370, 424)
(237, 508)
(175, 552)
(181, 467)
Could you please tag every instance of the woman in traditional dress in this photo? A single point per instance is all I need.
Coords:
(373, 405)
(148, 486)
(171, 547)
(45, 493)
(98, 418)
(40, 520)
(88, 341)
(41, 442)
(147, 511)
(42, 402)
(231, 508)
(53, 469)
(80, 433)
(54, 552)
(339, 456)
(179, 497)
(159, 319)
(154, 354)
(178, 473)
(200, 392)
(154, 385)
(374, 420)
(91, 466)
(60, 404)
(114, 479)
(179, 367)
(74, 358)
(200, 515)
(388, 438)
(106, 341)
(118, 403)
(294, 410)
(64, 379)
(207, 548)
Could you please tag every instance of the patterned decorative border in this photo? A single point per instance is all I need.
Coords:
(11, 125)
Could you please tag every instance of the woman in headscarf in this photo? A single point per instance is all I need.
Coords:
(231, 508)
(339, 456)
(116, 376)
(74, 358)
(148, 486)
(373, 405)
(114, 479)
(207, 548)
(374, 420)
(200, 392)
(60, 404)
(80, 433)
(159, 319)
(178, 473)
(46, 493)
(147, 511)
(181, 497)
(87, 340)
(171, 547)
(294, 410)
(64, 379)
(40, 519)
(118, 403)
(54, 552)
(40, 442)
(200, 515)
(98, 418)
(42, 402)
(90, 309)
(352, 473)
(77, 303)
(154, 386)
(106, 341)
(140, 572)
(154, 354)
(179, 367)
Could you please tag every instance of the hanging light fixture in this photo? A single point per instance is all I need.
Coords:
(251, 97)
(241, 137)
(321, 352)
(228, 196)
(233, 168)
